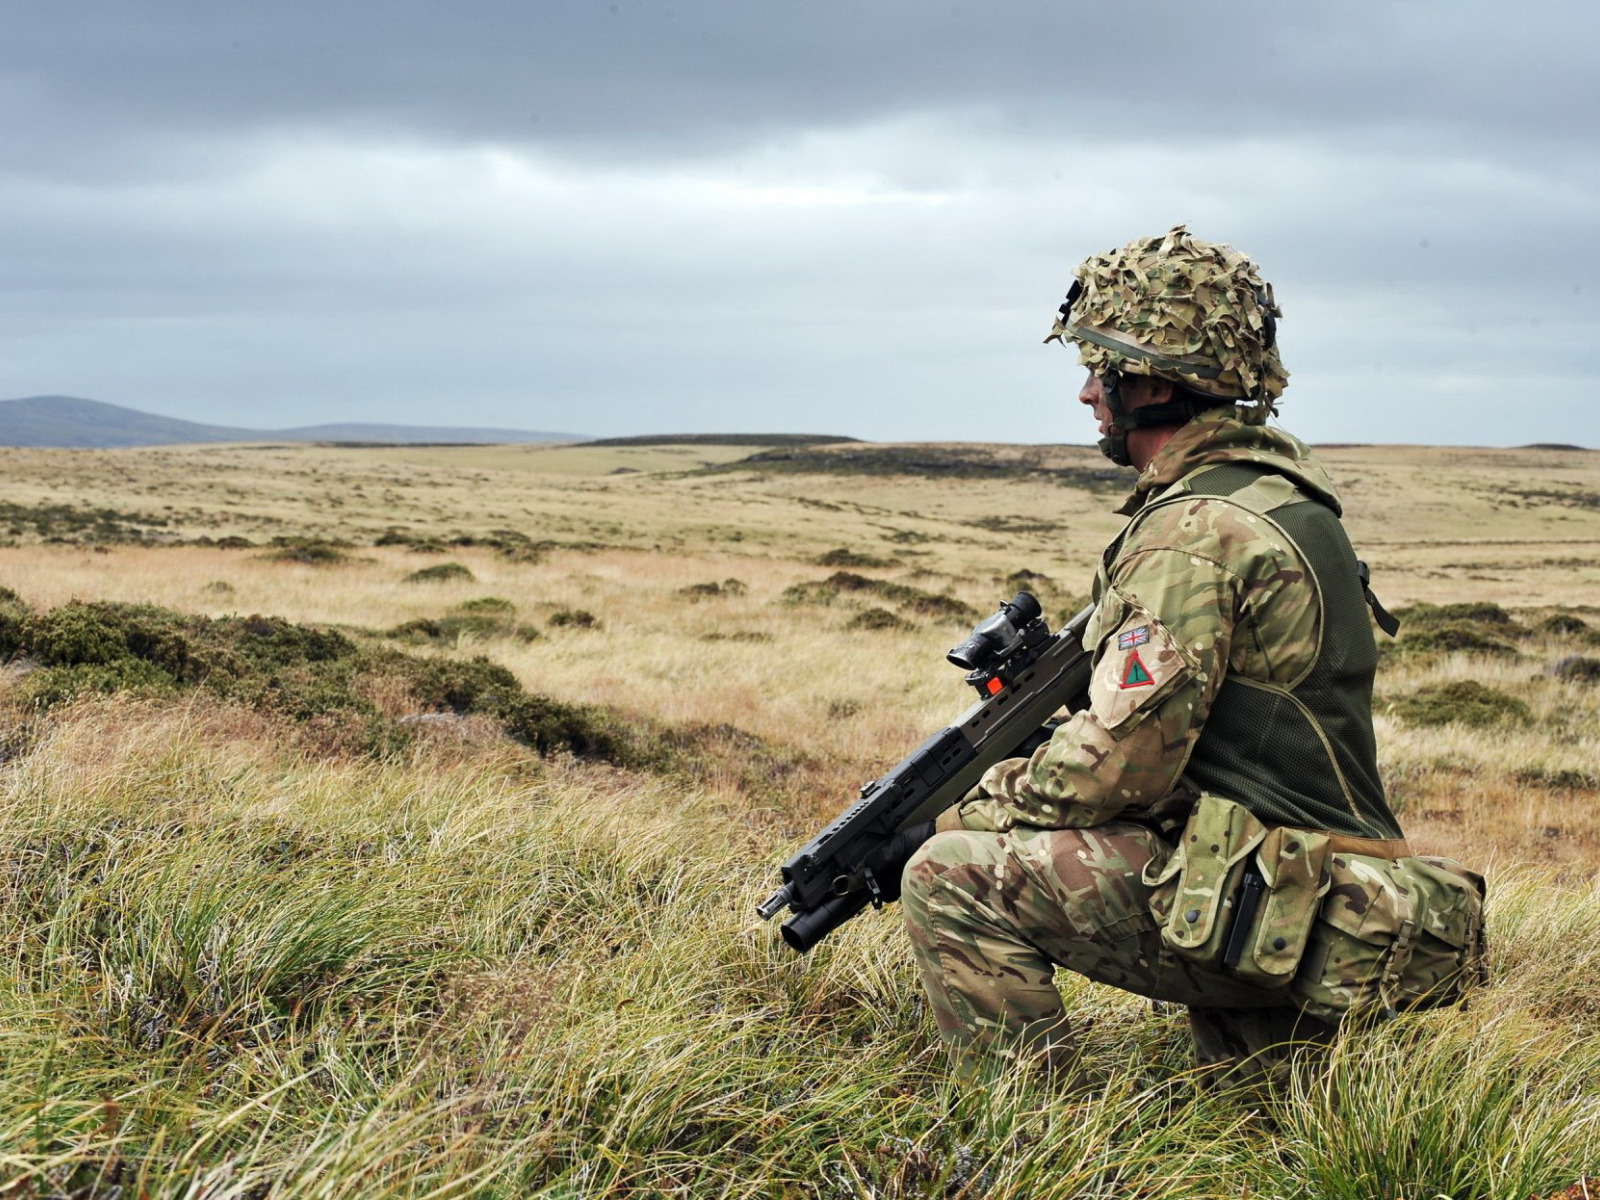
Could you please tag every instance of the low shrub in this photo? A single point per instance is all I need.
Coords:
(575, 618)
(444, 572)
(879, 620)
(843, 556)
(927, 604)
(488, 605)
(1565, 779)
(1564, 624)
(1463, 702)
(449, 630)
(419, 543)
(296, 671)
(308, 553)
(1483, 612)
(713, 591)
(1575, 668)
(1024, 580)
(1453, 636)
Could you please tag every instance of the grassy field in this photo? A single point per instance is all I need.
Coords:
(322, 926)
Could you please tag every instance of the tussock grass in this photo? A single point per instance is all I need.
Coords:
(242, 961)
(235, 970)
(445, 572)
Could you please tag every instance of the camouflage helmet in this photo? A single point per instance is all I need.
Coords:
(1181, 309)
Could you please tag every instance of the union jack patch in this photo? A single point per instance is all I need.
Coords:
(1133, 638)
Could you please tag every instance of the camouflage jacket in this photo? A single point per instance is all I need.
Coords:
(1190, 594)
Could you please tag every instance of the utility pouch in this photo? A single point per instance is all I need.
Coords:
(1392, 935)
(1293, 866)
(1194, 891)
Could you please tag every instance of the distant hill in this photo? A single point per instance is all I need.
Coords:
(68, 421)
(725, 439)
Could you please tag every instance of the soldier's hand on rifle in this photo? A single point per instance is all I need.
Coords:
(890, 863)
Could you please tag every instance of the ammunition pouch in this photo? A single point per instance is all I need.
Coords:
(1338, 932)
(1197, 893)
(1393, 935)
(1195, 890)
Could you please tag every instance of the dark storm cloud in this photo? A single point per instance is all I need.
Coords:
(645, 77)
(769, 214)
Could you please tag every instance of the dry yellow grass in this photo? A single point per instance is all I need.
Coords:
(1519, 527)
(546, 974)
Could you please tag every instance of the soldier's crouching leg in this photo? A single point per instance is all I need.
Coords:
(992, 914)
(989, 987)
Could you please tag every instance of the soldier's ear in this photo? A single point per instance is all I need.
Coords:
(1142, 391)
(1161, 390)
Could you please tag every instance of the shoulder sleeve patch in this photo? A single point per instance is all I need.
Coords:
(1140, 665)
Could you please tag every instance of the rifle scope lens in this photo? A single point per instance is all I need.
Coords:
(974, 653)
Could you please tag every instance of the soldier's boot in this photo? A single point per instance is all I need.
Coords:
(1256, 1045)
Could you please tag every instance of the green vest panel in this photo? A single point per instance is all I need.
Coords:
(1305, 755)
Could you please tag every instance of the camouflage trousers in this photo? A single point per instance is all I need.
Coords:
(993, 915)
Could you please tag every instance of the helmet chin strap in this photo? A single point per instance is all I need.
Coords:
(1114, 445)
(1179, 411)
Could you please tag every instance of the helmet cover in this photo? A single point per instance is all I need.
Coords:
(1178, 308)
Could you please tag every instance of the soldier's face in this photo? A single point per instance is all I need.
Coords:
(1093, 393)
(1137, 391)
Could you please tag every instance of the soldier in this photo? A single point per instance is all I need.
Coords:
(1212, 830)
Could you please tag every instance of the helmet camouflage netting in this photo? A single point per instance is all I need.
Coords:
(1178, 308)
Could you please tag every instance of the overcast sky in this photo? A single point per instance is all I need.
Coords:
(625, 216)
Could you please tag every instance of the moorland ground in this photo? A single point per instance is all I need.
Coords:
(356, 916)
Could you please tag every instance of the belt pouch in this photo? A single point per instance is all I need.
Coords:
(1217, 842)
(1293, 864)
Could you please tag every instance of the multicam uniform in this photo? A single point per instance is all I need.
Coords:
(1231, 657)
(1227, 750)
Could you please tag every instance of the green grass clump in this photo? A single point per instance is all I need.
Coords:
(1462, 702)
(879, 620)
(308, 553)
(575, 618)
(236, 973)
(483, 618)
(910, 598)
(844, 556)
(713, 590)
(317, 677)
(1577, 668)
(1449, 637)
(1564, 624)
(445, 572)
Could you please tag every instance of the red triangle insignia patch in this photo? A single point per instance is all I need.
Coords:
(1135, 674)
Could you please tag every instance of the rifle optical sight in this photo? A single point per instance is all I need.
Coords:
(998, 636)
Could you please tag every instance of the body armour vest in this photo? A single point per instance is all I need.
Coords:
(1302, 755)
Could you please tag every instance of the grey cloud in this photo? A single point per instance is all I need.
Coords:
(772, 214)
(652, 78)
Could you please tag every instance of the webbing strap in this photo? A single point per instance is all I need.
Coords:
(1344, 843)
(1386, 620)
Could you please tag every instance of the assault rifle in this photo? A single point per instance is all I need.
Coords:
(1023, 673)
